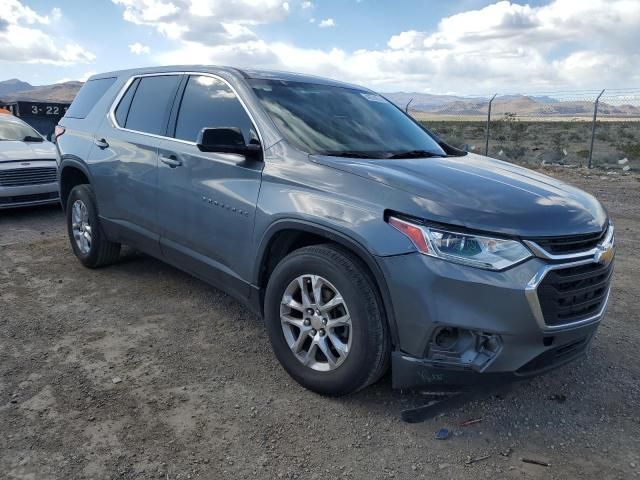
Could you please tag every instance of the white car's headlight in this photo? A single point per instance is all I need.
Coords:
(473, 250)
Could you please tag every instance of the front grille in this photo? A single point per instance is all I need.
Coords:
(28, 198)
(570, 244)
(572, 294)
(20, 177)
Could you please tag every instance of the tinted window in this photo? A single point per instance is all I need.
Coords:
(88, 96)
(209, 102)
(151, 104)
(123, 107)
(332, 120)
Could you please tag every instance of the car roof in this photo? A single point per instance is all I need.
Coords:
(246, 73)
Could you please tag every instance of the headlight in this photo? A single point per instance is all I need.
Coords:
(473, 250)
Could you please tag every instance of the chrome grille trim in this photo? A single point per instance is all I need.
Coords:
(540, 252)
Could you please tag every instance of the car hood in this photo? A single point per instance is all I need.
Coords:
(13, 150)
(481, 193)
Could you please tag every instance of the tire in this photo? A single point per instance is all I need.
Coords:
(98, 251)
(367, 337)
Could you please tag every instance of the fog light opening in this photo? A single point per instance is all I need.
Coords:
(462, 348)
(446, 337)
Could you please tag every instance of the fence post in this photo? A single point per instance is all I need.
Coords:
(486, 144)
(593, 128)
(406, 108)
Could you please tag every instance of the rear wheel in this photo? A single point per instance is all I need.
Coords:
(88, 240)
(325, 320)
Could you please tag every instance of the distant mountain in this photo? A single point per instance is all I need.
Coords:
(521, 105)
(454, 105)
(424, 102)
(14, 85)
(59, 92)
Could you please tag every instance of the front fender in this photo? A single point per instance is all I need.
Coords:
(334, 236)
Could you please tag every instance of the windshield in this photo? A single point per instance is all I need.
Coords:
(330, 120)
(13, 130)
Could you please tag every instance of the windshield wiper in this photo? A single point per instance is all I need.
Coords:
(348, 154)
(415, 154)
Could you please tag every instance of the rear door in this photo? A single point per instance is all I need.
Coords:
(207, 200)
(125, 158)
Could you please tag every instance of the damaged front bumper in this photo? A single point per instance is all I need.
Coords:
(462, 326)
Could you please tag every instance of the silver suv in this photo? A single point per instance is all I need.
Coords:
(361, 237)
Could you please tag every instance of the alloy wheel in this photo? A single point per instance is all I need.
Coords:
(316, 323)
(81, 226)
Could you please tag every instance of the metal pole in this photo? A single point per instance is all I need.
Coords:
(406, 108)
(593, 127)
(486, 144)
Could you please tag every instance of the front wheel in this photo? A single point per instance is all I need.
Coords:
(325, 320)
(88, 240)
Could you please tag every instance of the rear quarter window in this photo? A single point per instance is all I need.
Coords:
(90, 93)
(123, 107)
(151, 104)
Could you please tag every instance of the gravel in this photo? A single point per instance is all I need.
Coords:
(201, 395)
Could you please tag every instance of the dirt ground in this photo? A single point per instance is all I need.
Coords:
(139, 371)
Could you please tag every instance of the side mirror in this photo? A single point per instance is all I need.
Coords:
(227, 140)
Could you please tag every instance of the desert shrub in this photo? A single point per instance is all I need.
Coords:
(583, 153)
(514, 152)
(574, 137)
(632, 150)
(626, 133)
(456, 141)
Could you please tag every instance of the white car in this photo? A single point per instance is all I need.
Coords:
(28, 166)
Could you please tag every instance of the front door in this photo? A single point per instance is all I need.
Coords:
(207, 200)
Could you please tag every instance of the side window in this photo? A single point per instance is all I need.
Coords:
(90, 93)
(207, 103)
(122, 110)
(151, 104)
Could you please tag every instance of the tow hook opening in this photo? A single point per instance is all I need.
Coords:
(463, 348)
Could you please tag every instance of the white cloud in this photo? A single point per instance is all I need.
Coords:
(139, 49)
(502, 47)
(23, 37)
(327, 23)
(306, 5)
(82, 78)
(56, 14)
(212, 22)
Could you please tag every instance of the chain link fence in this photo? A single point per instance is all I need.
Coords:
(583, 128)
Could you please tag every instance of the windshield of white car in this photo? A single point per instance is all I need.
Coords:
(16, 131)
(340, 121)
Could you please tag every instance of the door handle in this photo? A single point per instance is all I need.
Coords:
(171, 160)
(102, 143)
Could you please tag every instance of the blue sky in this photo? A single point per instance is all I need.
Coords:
(437, 46)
